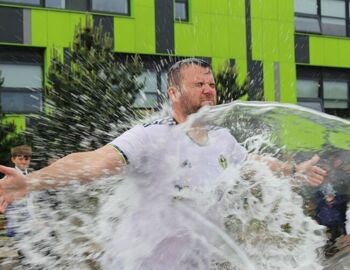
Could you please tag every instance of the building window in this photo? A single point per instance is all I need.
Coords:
(154, 91)
(324, 89)
(328, 17)
(21, 94)
(333, 17)
(55, 3)
(113, 6)
(26, 2)
(108, 6)
(181, 10)
(335, 95)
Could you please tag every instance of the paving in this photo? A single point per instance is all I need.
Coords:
(8, 254)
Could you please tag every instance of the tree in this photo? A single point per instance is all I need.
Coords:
(228, 88)
(8, 136)
(88, 98)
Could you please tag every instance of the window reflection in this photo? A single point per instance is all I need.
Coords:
(334, 26)
(55, 3)
(335, 94)
(118, 6)
(307, 88)
(329, 18)
(333, 8)
(26, 101)
(305, 6)
(307, 24)
(181, 10)
(27, 2)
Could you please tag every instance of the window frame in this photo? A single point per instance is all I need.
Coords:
(322, 74)
(23, 56)
(319, 17)
(88, 2)
(186, 10)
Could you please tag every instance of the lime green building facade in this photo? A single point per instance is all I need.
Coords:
(269, 39)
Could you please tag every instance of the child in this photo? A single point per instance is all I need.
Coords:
(21, 157)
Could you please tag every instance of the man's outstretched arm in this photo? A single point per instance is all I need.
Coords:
(307, 171)
(83, 167)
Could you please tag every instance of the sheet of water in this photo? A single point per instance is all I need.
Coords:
(246, 218)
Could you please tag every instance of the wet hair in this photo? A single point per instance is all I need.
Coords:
(21, 150)
(174, 73)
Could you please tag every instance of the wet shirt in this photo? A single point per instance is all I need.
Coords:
(164, 150)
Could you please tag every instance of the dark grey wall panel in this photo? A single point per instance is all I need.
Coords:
(248, 30)
(106, 22)
(256, 73)
(11, 25)
(164, 19)
(302, 52)
(255, 68)
(21, 54)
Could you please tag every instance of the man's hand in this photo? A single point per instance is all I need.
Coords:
(311, 174)
(13, 186)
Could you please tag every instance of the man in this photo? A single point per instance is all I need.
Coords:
(191, 86)
(196, 156)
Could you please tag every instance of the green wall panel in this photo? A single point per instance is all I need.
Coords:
(237, 38)
(219, 7)
(202, 34)
(269, 84)
(236, 8)
(184, 33)
(286, 41)
(54, 28)
(257, 38)
(285, 11)
(202, 6)
(288, 82)
(270, 40)
(220, 36)
(124, 35)
(270, 9)
(331, 52)
(344, 58)
(39, 28)
(316, 51)
(256, 8)
(145, 28)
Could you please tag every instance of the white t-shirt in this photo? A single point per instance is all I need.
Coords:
(162, 148)
(165, 162)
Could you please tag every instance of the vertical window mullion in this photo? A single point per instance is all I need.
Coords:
(347, 20)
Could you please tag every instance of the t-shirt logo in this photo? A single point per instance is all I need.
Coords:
(223, 161)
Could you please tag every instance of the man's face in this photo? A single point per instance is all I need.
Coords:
(21, 162)
(197, 89)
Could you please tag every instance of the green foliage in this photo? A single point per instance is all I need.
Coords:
(8, 136)
(228, 88)
(88, 97)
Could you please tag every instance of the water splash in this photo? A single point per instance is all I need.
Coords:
(247, 218)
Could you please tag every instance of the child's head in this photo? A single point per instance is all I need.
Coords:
(21, 156)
